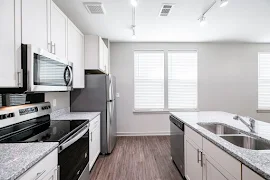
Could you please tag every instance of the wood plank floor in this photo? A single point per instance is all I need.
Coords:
(137, 158)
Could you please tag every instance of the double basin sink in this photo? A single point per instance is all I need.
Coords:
(236, 137)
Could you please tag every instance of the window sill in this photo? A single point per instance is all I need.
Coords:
(163, 111)
(263, 110)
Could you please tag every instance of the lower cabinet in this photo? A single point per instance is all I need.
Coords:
(192, 160)
(205, 161)
(45, 169)
(94, 141)
(248, 174)
(213, 171)
(52, 175)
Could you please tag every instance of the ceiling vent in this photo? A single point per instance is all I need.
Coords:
(165, 10)
(94, 7)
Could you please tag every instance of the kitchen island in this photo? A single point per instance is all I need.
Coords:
(256, 160)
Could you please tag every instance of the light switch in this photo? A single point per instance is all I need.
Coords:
(117, 95)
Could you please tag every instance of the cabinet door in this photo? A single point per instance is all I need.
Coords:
(59, 23)
(192, 159)
(96, 134)
(10, 42)
(52, 175)
(91, 151)
(35, 18)
(213, 173)
(212, 170)
(248, 174)
(106, 58)
(76, 54)
(101, 54)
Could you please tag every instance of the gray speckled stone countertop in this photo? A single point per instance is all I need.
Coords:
(77, 115)
(259, 161)
(17, 158)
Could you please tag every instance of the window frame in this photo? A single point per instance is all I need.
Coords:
(260, 110)
(165, 110)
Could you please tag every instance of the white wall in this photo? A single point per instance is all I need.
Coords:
(227, 82)
(62, 99)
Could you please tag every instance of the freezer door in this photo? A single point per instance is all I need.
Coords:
(111, 125)
(111, 84)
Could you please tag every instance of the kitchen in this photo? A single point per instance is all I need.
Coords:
(123, 75)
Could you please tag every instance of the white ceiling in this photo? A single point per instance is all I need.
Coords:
(240, 20)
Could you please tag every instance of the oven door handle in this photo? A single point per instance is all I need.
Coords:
(74, 138)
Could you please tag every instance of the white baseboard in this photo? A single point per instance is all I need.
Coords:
(143, 133)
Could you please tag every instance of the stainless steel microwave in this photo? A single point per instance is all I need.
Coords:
(47, 72)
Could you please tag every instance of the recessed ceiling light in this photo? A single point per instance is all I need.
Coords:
(202, 21)
(223, 3)
(134, 2)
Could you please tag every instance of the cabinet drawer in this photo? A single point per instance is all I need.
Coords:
(42, 168)
(195, 137)
(94, 123)
(226, 161)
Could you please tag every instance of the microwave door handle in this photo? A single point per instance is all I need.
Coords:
(74, 138)
(71, 76)
(65, 72)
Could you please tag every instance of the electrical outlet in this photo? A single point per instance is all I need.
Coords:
(117, 95)
(54, 102)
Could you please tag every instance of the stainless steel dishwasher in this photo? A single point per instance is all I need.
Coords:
(177, 143)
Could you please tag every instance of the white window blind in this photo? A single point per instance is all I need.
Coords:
(148, 80)
(264, 81)
(182, 80)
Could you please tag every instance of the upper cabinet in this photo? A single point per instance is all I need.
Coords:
(76, 54)
(96, 54)
(59, 25)
(10, 43)
(42, 24)
(36, 23)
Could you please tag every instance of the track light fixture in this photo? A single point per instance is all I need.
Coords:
(223, 3)
(202, 19)
(134, 3)
(134, 33)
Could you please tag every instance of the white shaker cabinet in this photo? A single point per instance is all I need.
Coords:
(94, 138)
(193, 155)
(76, 54)
(206, 161)
(10, 43)
(248, 174)
(52, 175)
(192, 159)
(96, 54)
(36, 23)
(45, 169)
(58, 31)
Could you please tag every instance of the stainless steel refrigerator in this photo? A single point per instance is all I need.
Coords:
(98, 96)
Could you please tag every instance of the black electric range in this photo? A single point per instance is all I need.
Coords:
(32, 123)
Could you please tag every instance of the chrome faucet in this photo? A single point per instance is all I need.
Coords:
(251, 126)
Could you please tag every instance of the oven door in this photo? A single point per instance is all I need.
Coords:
(74, 155)
(47, 72)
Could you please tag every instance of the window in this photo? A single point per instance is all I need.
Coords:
(264, 81)
(149, 80)
(165, 83)
(182, 80)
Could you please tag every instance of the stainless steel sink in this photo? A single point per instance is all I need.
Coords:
(219, 129)
(247, 142)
